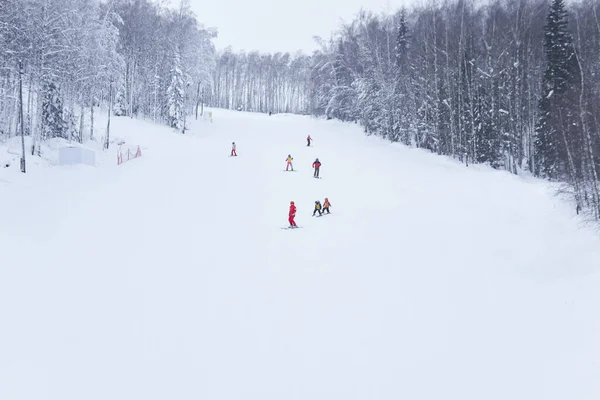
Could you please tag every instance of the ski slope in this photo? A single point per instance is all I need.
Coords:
(169, 277)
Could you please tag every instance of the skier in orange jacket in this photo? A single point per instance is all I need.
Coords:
(326, 205)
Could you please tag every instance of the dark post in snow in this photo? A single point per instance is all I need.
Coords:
(197, 100)
(185, 98)
(21, 116)
(312, 97)
(106, 144)
(202, 103)
(184, 111)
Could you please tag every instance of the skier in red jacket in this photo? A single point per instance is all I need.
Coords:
(308, 139)
(292, 215)
(316, 165)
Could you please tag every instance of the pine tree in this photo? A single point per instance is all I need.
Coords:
(54, 124)
(486, 150)
(556, 128)
(342, 94)
(371, 104)
(120, 106)
(401, 115)
(402, 42)
(175, 95)
(71, 131)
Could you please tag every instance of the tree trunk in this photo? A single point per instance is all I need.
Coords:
(92, 119)
(197, 100)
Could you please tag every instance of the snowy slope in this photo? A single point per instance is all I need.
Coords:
(169, 277)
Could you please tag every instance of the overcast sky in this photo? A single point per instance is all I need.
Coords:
(280, 25)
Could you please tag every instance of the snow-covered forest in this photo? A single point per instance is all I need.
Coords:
(140, 58)
(263, 82)
(510, 83)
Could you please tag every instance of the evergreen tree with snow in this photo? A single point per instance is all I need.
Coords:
(557, 125)
(53, 122)
(485, 140)
(402, 43)
(400, 106)
(120, 106)
(371, 104)
(343, 94)
(71, 131)
(175, 95)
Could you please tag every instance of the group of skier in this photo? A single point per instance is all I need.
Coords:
(290, 166)
(316, 165)
(319, 208)
(324, 207)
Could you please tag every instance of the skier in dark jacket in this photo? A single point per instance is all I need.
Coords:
(317, 208)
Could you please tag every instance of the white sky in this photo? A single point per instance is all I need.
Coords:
(280, 25)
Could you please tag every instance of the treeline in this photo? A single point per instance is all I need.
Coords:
(512, 83)
(141, 57)
(256, 82)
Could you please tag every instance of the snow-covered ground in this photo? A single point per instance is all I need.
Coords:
(168, 277)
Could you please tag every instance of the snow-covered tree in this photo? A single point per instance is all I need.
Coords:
(70, 126)
(557, 127)
(176, 95)
(53, 121)
(120, 105)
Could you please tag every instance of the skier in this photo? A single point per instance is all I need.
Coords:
(289, 160)
(317, 208)
(292, 215)
(326, 205)
(316, 165)
(308, 139)
(233, 147)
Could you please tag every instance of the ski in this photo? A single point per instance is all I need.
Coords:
(296, 227)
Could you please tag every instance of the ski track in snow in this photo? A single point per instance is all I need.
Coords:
(169, 276)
